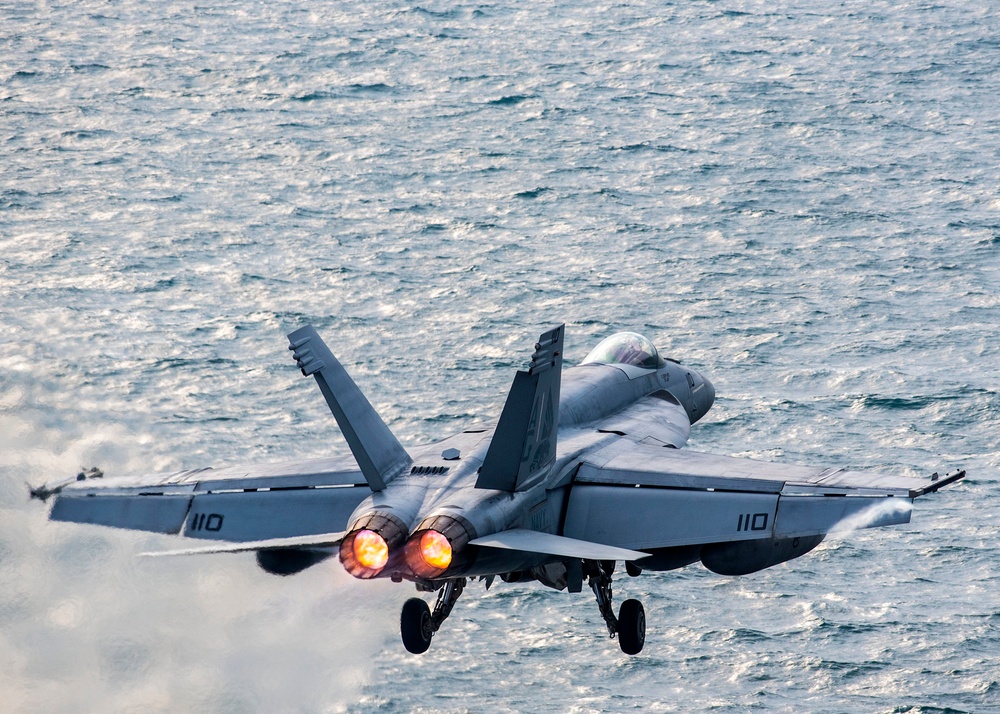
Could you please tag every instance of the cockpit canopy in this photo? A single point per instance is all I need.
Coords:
(626, 348)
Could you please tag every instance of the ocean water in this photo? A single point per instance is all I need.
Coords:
(802, 201)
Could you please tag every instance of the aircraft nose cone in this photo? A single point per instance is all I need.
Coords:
(702, 397)
(709, 394)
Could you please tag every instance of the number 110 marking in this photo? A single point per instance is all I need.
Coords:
(752, 522)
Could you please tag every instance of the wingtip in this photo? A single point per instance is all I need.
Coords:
(38, 492)
(51, 488)
(938, 482)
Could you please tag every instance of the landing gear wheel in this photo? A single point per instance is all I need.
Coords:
(415, 625)
(631, 627)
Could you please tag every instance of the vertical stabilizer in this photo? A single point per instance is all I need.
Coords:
(378, 453)
(525, 439)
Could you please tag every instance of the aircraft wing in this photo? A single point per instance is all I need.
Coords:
(236, 504)
(643, 497)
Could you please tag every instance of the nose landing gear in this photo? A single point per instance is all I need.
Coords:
(417, 624)
(630, 625)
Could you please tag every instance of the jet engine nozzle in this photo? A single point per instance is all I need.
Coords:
(370, 543)
(437, 545)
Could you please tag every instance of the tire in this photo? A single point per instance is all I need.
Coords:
(631, 627)
(415, 625)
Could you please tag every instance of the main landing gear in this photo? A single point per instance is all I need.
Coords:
(630, 625)
(417, 624)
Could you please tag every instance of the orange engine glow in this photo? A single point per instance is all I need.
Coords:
(435, 550)
(371, 550)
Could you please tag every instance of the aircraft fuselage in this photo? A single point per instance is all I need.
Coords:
(595, 408)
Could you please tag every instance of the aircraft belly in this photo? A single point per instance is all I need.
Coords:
(259, 515)
(644, 518)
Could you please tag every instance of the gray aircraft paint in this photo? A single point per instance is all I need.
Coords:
(598, 475)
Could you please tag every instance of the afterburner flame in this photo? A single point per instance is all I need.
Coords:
(370, 549)
(435, 550)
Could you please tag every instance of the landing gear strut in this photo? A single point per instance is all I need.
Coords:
(417, 624)
(630, 625)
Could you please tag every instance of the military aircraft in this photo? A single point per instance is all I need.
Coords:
(583, 469)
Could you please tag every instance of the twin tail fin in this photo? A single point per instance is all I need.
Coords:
(379, 454)
(524, 442)
(523, 445)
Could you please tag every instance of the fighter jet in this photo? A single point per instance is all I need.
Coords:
(584, 469)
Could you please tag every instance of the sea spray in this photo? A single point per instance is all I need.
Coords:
(884, 512)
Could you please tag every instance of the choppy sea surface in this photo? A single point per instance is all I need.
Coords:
(801, 200)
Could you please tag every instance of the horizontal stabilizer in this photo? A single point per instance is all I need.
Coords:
(321, 540)
(534, 542)
(378, 453)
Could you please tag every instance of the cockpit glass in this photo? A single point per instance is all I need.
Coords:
(626, 348)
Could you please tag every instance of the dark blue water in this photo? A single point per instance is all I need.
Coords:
(801, 201)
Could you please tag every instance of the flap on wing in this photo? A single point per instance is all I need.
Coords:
(648, 518)
(536, 542)
(816, 515)
(155, 513)
(322, 540)
(234, 504)
(279, 513)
